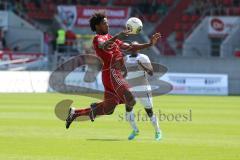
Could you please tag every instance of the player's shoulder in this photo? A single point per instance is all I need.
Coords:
(99, 37)
(95, 38)
(109, 35)
(142, 56)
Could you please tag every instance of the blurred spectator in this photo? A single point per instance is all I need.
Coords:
(70, 38)
(61, 38)
(237, 53)
(18, 6)
(9, 52)
(48, 38)
(1, 54)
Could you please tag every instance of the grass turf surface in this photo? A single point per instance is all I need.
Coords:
(29, 130)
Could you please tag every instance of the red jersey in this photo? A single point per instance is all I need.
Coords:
(114, 84)
(109, 54)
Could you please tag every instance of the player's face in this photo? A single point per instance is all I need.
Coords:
(103, 26)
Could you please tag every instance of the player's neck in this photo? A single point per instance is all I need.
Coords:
(100, 33)
(134, 55)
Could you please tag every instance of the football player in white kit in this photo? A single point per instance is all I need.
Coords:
(145, 69)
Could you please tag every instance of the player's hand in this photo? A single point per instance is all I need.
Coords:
(155, 38)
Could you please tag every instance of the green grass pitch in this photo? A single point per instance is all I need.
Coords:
(29, 130)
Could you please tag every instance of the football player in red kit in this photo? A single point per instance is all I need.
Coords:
(108, 49)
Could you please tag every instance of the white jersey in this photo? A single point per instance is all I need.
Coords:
(134, 60)
(144, 84)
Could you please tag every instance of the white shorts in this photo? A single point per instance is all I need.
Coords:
(146, 101)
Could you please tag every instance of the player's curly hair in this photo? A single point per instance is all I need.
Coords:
(96, 19)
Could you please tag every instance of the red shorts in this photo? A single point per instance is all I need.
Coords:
(115, 86)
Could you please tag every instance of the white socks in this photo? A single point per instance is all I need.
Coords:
(131, 119)
(155, 124)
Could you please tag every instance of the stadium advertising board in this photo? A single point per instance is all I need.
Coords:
(221, 26)
(183, 83)
(78, 16)
(24, 81)
(203, 84)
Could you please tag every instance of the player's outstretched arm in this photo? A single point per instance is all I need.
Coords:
(135, 47)
(147, 67)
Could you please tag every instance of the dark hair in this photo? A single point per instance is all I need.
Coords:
(96, 19)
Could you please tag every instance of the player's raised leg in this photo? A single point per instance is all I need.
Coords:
(105, 107)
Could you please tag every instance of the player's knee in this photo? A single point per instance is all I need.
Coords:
(111, 112)
(149, 112)
(129, 108)
(131, 102)
(110, 109)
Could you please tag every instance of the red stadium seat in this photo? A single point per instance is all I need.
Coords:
(179, 36)
(136, 2)
(48, 1)
(41, 15)
(177, 27)
(154, 18)
(179, 45)
(237, 53)
(186, 18)
(123, 2)
(103, 2)
(237, 11)
(117, 2)
(31, 6)
(147, 16)
(51, 7)
(33, 14)
(230, 11)
(227, 2)
(169, 2)
(159, 2)
(186, 27)
(194, 18)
